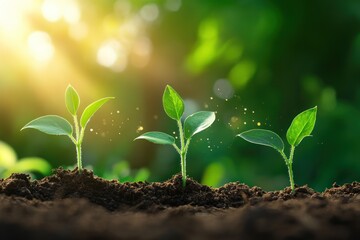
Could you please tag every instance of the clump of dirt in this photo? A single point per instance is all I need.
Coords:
(74, 205)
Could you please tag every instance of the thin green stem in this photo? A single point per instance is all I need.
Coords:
(288, 162)
(76, 124)
(78, 154)
(183, 152)
(290, 170)
(78, 137)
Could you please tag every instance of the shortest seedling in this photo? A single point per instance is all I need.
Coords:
(301, 127)
(193, 124)
(56, 125)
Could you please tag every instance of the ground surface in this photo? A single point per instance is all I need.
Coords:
(70, 205)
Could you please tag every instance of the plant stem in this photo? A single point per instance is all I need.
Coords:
(78, 154)
(78, 136)
(290, 170)
(183, 152)
(288, 162)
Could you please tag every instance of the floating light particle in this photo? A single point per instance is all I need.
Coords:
(226, 99)
(111, 113)
(139, 129)
(137, 108)
(117, 111)
(253, 111)
(244, 123)
(206, 106)
(156, 117)
(211, 98)
(259, 124)
(91, 129)
(245, 109)
(174, 132)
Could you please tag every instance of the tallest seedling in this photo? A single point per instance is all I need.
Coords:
(193, 124)
(56, 125)
(301, 127)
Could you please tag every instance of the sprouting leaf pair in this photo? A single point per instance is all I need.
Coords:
(56, 125)
(174, 107)
(301, 127)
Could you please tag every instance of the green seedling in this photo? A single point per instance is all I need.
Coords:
(193, 124)
(9, 163)
(56, 125)
(301, 127)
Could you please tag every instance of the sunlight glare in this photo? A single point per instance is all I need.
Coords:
(54, 10)
(113, 55)
(40, 46)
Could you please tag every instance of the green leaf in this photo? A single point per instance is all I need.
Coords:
(302, 126)
(30, 164)
(51, 124)
(263, 137)
(7, 155)
(72, 100)
(157, 137)
(198, 122)
(173, 103)
(91, 109)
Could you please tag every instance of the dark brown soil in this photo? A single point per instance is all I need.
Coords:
(73, 205)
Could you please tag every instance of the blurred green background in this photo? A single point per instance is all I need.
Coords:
(257, 63)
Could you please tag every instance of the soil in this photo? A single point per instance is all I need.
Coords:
(73, 205)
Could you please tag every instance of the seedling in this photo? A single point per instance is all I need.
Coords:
(301, 127)
(193, 124)
(56, 125)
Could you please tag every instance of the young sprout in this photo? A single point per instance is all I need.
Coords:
(193, 124)
(301, 127)
(56, 125)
